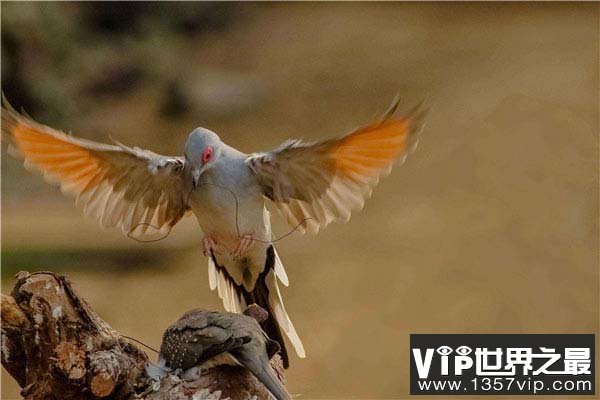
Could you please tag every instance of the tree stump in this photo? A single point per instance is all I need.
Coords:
(56, 347)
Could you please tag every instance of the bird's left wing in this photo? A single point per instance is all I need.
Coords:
(199, 336)
(137, 190)
(314, 184)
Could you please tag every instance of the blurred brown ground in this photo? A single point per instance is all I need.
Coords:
(490, 227)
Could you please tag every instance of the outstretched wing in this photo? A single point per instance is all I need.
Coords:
(137, 190)
(314, 184)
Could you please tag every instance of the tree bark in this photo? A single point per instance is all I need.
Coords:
(56, 347)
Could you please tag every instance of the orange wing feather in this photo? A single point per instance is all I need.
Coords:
(370, 149)
(113, 183)
(56, 156)
(314, 184)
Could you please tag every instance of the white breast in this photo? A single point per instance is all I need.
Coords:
(226, 218)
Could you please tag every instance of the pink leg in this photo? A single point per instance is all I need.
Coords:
(210, 247)
(243, 246)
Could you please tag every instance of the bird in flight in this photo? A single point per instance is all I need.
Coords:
(143, 193)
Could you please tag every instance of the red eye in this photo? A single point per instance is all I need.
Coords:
(207, 154)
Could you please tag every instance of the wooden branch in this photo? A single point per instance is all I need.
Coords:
(56, 347)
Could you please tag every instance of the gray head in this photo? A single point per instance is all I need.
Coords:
(202, 148)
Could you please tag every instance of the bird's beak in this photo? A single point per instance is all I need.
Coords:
(196, 173)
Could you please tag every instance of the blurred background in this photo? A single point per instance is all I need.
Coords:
(490, 227)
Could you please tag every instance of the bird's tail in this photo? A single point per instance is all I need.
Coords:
(266, 294)
(263, 371)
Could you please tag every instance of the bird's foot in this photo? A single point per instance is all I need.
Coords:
(243, 245)
(191, 374)
(210, 246)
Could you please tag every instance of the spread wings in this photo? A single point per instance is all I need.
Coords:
(314, 184)
(137, 190)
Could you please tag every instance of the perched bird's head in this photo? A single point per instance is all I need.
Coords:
(202, 149)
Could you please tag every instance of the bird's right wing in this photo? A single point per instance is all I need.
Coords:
(314, 184)
(137, 190)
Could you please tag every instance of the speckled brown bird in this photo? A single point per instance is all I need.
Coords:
(201, 340)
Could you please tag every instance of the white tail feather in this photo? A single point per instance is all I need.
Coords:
(232, 301)
(212, 274)
(282, 316)
(280, 271)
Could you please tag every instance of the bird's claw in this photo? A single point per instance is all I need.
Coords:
(242, 247)
(210, 246)
(191, 374)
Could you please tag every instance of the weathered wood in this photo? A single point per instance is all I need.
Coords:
(56, 347)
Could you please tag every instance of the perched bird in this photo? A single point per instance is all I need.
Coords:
(201, 340)
(311, 184)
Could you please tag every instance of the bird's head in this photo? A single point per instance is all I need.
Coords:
(202, 149)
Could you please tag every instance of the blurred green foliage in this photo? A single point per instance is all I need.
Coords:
(60, 57)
